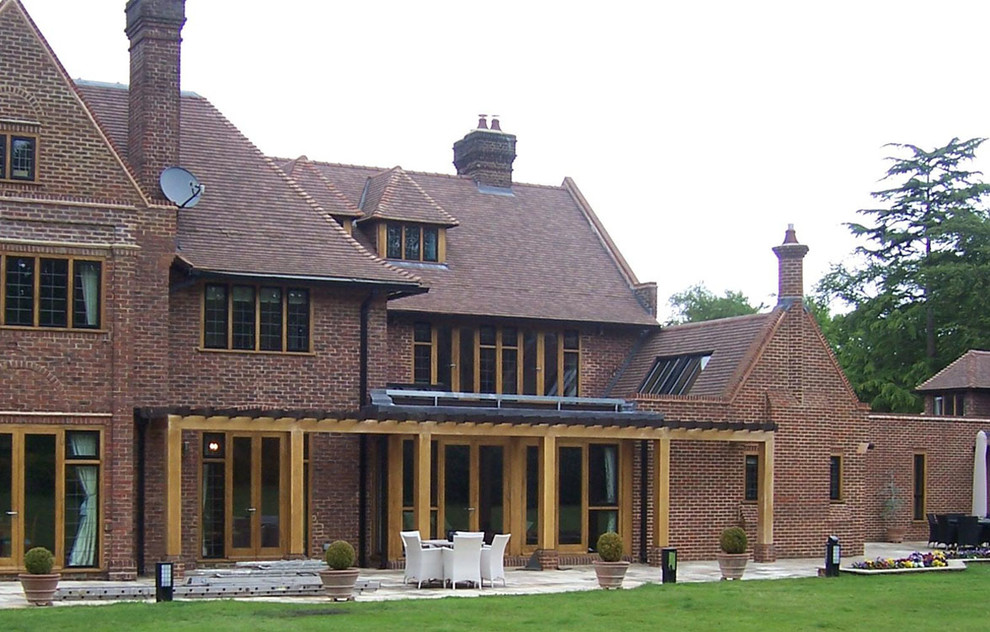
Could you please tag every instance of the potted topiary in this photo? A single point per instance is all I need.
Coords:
(39, 582)
(732, 560)
(610, 569)
(338, 582)
(890, 505)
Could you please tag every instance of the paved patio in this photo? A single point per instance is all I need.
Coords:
(520, 582)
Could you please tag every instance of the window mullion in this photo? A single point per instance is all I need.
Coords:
(285, 319)
(230, 316)
(36, 315)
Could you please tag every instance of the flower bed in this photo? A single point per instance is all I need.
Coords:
(934, 559)
(977, 554)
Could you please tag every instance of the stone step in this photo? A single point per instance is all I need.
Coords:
(221, 590)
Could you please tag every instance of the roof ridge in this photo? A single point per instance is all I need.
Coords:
(714, 321)
(334, 191)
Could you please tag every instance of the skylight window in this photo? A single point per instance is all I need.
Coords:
(674, 375)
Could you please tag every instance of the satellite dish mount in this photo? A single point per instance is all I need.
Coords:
(181, 187)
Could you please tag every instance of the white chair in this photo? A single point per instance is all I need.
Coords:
(422, 565)
(463, 562)
(492, 560)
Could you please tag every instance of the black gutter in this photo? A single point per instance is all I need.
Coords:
(141, 431)
(643, 480)
(363, 438)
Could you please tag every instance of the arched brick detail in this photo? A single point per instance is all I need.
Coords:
(16, 102)
(22, 382)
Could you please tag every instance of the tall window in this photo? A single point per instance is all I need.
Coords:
(18, 157)
(752, 465)
(249, 318)
(412, 242)
(835, 478)
(588, 493)
(949, 405)
(82, 489)
(491, 359)
(51, 292)
(918, 495)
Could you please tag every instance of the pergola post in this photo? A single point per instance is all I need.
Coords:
(763, 550)
(547, 551)
(661, 485)
(421, 490)
(297, 497)
(173, 484)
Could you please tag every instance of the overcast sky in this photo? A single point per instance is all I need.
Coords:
(697, 130)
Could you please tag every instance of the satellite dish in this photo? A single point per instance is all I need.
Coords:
(181, 187)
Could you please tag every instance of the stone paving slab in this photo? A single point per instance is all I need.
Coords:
(519, 581)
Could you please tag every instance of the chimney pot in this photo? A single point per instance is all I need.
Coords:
(482, 123)
(790, 276)
(495, 125)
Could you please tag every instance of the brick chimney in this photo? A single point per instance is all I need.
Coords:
(153, 28)
(790, 257)
(486, 155)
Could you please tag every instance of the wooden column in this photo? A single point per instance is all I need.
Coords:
(173, 491)
(661, 498)
(548, 495)
(515, 503)
(297, 494)
(763, 551)
(421, 490)
(395, 487)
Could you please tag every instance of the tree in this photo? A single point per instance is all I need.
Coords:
(914, 299)
(698, 303)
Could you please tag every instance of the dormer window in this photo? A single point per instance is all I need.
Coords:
(412, 242)
(18, 157)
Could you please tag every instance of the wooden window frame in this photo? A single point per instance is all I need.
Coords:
(919, 489)
(402, 227)
(71, 261)
(257, 288)
(836, 495)
(7, 137)
(623, 507)
(500, 345)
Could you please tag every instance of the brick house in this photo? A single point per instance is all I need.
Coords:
(317, 351)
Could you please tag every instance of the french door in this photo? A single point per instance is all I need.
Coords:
(243, 496)
(474, 488)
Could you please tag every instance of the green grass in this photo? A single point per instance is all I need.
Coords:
(951, 601)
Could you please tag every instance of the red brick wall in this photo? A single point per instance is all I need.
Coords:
(948, 444)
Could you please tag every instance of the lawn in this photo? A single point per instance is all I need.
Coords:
(956, 601)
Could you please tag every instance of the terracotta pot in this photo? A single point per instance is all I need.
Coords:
(895, 534)
(610, 574)
(339, 585)
(39, 589)
(732, 565)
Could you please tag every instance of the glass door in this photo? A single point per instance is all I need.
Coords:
(256, 496)
(7, 511)
(474, 488)
(458, 512)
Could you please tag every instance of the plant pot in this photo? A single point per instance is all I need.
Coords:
(732, 565)
(610, 574)
(895, 534)
(39, 589)
(339, 585)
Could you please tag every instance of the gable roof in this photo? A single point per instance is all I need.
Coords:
(321, 190)
(969, 371)
(252, 219)
(732, 343)
(535, 252)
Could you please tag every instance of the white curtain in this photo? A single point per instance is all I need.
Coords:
(83, 551)
(611, 487)
(89, 273)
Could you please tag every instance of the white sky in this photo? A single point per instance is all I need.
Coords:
(697, 130)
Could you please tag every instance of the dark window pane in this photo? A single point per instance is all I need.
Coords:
(603, 475)
(270, 304)
(20, 291)
(422, 364)
(243, 314)
(214, 515)
(22, 158)
(241, 497)
(408, 471)
(752, 477)
(444, 359)
(550, 365)
(487, 369)
(271, 492)
(393, 241)
(674, 376)
(529, 363)
(490, 493)
(918, 504)
(510, 377)
(53, 306)
(215, 317)
(510, 337)
(467, 360)
(39, 491)
(570, 509)
(570, 374)
(430, 240)
(532, 494)
(3, 159)
(834, 474)
(86, 294)
(412, 243)
(422, 332)
(571, 340)
(486, 335)
(457, 496)
(601, 521)
(297, 315)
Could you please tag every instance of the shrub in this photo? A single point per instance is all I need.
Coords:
(39, 561)
(733, 540)
(340, 555)
(609, 547)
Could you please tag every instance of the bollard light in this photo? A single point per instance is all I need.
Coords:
(163, 581)
(833, 556)
(668, 565)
